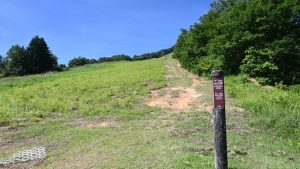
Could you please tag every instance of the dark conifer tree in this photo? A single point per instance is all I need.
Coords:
(39, 58)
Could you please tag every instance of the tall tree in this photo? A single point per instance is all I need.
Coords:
(14, 63)
(1, 63)
(39, 58)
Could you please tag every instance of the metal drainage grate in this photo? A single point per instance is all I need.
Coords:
(36, 153)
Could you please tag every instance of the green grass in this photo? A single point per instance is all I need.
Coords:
(273, 109)
(51, 110)
(103, 89)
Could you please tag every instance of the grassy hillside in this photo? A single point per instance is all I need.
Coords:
(103, 89)
(97, 117)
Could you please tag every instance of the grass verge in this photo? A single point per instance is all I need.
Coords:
(271, 108)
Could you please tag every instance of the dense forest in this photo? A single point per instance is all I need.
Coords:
(258, 38)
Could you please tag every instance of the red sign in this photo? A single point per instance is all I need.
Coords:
(219, 96)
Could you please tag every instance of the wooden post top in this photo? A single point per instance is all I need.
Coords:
(217, 73)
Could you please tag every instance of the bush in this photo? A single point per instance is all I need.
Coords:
(152, 55)
(120, 58)
(93, 61)
(260, 64)
(78, 61)
(61, 67)
(206, 64)
(104, 59)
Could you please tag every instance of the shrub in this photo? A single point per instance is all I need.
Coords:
(120, 58)
(260, 64)
(78, 61)
(206, 64)
(104, 59)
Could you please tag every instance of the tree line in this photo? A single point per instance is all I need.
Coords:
(80, 61)
(152, 55)
(37, 58)
(259, 38)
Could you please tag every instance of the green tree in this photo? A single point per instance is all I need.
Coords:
(14, 63)
(104, 59)
(60, 68)
(78, 61)
(1, 66)
(260, 63)
(39, 58)
(121, 57)
(1, 63)
(93, 61)
(152, 55)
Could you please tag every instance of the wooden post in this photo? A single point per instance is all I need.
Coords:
(219, 121)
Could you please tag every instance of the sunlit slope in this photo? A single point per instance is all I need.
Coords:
(91, 90)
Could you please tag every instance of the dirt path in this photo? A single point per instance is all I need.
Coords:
(182, 92)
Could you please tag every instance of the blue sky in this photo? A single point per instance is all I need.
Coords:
(97, 28)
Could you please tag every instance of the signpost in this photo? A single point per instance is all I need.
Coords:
(219, 121)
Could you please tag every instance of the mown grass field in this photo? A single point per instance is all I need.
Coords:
(95, 117)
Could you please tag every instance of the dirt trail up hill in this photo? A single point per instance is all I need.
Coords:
(184, 91)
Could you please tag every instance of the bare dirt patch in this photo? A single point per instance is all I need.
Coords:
(180, 93)
(183, 99)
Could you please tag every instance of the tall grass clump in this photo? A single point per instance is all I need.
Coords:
(271, 108)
